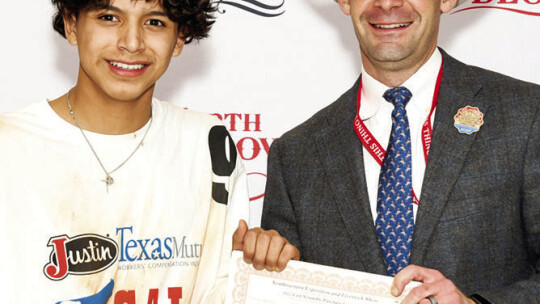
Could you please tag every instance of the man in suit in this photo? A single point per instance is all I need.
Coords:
(474, 234)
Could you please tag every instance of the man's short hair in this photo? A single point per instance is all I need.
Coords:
(194, 17)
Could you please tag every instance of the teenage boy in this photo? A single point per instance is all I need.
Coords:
(108, 195)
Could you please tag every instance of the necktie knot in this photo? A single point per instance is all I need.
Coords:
(399, 96)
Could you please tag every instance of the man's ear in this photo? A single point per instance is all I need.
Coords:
(447, 5)
(345, 6)
(180, 42)
(70, 28)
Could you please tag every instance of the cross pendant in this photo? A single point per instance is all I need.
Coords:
(108, 181)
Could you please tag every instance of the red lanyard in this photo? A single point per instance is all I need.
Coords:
(374, 147)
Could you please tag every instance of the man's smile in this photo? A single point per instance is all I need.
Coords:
(391, 26)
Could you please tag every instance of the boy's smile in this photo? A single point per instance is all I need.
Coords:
(127, 69)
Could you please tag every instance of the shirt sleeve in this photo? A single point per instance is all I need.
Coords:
(230, 203)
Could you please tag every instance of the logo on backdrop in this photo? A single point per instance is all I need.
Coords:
(525, 7)
(263, 8)
(92, 253)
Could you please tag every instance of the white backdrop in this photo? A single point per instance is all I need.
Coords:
(270, 73)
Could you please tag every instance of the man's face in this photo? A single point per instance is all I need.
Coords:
(396, 34)
(125, 48)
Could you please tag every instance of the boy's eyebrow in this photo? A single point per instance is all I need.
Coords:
(109, 8)
(157, 13)
(118, 10)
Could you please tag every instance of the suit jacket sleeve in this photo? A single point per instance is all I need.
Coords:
(527, 291)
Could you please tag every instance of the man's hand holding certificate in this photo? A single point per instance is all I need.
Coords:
(303, 282)
(276, 276)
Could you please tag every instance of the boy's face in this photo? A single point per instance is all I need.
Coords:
(125, 48)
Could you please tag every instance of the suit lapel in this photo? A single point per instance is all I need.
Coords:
(342, 161)
(449, 150)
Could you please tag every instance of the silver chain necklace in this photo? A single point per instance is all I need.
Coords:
(108, 178)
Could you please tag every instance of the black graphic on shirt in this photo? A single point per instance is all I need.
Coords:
(223, 161)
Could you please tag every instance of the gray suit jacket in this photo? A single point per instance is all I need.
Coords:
(478, 220)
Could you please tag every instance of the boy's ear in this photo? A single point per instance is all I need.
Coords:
(179, 46)
(70, 22)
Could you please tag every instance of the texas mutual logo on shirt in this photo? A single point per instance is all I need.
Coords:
(87, 254)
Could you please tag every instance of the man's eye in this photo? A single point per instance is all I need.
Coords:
(155, 22)
(110, 18)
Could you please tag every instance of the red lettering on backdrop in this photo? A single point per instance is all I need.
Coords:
(57, 272)
(256, 148)
(506, 1)
(153, 296)
(252, 122)
(506, 5)
(265, 144)
(175, 294)
(248, 122)
(125, 297)
(253, 144)
(232, 120)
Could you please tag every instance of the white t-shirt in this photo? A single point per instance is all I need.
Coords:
(161, 234)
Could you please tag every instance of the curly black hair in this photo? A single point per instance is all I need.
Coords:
(194, 17)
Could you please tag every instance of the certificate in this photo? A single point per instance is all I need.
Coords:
(303, 282)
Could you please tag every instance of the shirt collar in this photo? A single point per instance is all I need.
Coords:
(421, 84)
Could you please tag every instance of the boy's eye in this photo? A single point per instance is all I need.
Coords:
(155, 22)
(108, 18)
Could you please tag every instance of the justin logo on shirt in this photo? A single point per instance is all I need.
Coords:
(80, 255)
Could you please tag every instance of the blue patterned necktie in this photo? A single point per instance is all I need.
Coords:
(395, 222)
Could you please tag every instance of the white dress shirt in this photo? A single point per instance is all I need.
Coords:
(376, 113)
